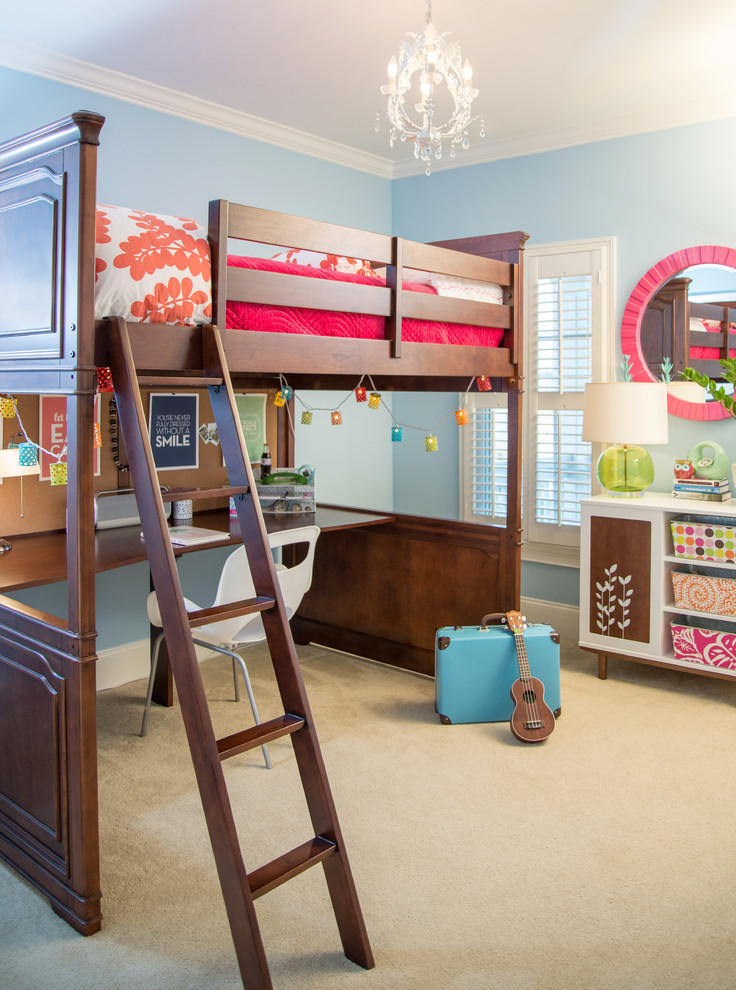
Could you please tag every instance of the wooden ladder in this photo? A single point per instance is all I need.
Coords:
(326, 846)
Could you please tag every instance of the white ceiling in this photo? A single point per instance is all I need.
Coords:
(551, 73)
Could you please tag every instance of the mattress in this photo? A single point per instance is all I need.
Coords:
(323, 323)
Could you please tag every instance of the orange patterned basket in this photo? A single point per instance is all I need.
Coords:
(704, 593)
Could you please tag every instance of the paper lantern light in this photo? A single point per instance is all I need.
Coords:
(306, 419)
(360, 394)
(7, 407)
(484, 383)
(336, 418)
(287, 392)
(98, 436)
(280, 399)
(397, 434)
(58, 473)
(27, 454)
(104, 380)
(375, 400)
(461, 415)
(430, 444)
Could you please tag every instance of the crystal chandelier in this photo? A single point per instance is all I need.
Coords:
(438, 61)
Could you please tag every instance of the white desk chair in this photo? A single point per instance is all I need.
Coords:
(230, 635)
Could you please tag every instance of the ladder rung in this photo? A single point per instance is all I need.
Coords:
(291, 864)
(258, 735)
(202, 493)
(247, 606)
(179, 381)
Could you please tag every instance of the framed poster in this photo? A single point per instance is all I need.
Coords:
(252, 415)
(173, 422)
(52, 428)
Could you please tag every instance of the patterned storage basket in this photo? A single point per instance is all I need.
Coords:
(712, 646)
(702, 538)
(704, 592)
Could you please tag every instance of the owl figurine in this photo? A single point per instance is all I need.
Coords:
(684, 469)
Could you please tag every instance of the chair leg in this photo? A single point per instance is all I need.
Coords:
(154, 663)
(251, 697)
(236, 682)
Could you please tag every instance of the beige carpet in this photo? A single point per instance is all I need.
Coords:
(604, 858)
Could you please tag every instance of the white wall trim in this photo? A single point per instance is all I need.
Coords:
(565, 619)
(117, 85)
(122, 664)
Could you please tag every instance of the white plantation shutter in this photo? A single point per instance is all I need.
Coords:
(568, 343)
(487, 489)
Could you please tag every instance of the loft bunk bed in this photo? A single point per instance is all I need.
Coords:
(431, 572)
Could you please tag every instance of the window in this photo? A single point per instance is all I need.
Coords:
(568, 338)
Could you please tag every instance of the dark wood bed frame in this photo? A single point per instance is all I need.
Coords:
(665, 330)
(416, 573)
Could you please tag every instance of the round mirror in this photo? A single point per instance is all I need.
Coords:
(663, 330)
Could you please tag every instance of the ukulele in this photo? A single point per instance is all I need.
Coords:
(531, 721)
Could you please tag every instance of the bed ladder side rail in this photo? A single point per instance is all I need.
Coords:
(239, 887)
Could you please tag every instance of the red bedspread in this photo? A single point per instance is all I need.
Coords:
(276, 319)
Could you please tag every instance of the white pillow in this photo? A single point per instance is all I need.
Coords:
(330, 262)
(151, 268)
(457, 288)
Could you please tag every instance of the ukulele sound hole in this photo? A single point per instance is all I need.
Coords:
(529, 697)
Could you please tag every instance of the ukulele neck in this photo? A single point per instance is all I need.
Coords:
(524, 669)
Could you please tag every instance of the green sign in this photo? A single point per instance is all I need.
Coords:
(252, 415)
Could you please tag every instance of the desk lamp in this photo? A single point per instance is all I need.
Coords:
(625, 414)
(11, 467)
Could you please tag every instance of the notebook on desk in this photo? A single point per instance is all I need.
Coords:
(187, 536)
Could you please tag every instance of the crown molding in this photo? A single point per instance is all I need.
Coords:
(119, 86)
(540, 142)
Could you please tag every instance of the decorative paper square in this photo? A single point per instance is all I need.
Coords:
(173, 420)
(52, 430)
(252, 415)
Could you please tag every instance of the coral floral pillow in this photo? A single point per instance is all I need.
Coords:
(330, 262)
(151, 269)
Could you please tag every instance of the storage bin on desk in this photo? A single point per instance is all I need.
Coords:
(711, 642)
(704, 538)
(714, 592)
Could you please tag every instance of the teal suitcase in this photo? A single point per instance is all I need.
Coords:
(475, 667)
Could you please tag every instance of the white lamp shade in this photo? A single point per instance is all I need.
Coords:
(625, 413)
(10, 464)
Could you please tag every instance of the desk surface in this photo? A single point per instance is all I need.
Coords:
(40, 558)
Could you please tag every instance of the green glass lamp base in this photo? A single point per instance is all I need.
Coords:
(625, 470)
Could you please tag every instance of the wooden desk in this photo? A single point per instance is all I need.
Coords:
(40, 558)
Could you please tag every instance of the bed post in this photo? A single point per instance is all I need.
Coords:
(48, 783)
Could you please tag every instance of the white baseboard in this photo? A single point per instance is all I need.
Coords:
(131, 662)
(121, 664)
(563, 618)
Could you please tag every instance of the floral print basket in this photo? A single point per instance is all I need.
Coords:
(704, 592)
(713, 647)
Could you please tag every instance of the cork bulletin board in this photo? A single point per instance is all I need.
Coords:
(44, 504)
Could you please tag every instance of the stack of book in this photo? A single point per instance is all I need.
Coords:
(704, 489)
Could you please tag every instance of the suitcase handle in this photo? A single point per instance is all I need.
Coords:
(493, 618)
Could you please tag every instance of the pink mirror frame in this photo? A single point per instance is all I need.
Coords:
(646, 288)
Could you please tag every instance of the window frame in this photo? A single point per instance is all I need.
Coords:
(604, 336)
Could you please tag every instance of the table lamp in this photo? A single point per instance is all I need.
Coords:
(625, 414)
(11, 467)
